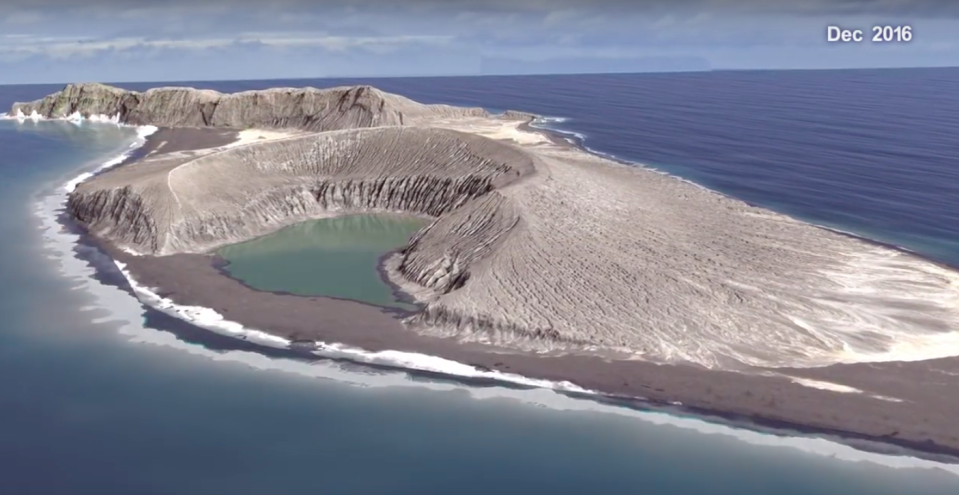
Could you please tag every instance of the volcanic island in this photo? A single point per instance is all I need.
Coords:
(538, 258)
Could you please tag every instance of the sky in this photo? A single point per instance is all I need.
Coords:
(58, 41)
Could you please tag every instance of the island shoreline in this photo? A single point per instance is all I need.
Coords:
(662, 386)
(657, 399)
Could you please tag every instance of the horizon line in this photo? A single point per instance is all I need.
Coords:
(443, 76)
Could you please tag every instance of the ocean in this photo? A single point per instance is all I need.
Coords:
(103, 396)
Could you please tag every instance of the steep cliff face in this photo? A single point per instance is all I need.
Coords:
(440, 256)
(117, 213)
(302, 108)
(167, 204)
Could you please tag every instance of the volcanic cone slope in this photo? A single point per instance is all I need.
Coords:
(539, 246)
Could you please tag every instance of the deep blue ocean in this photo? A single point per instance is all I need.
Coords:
(99, 396)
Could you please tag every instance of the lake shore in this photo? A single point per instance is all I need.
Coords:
(888, 408)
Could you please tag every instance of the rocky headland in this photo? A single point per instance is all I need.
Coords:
(276, 108)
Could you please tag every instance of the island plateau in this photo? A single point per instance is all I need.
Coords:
(538, 258)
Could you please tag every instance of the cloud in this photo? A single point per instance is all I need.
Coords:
(924, 8)
(189, 35)
(66, 47)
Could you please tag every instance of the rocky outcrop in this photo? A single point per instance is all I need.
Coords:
(439, 257)
(119, 213)
(516, 115)
(422, 194)
(301, 108)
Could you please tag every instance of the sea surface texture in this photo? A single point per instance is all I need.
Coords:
(101, 396)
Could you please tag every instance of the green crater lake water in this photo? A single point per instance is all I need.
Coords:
(334, 257)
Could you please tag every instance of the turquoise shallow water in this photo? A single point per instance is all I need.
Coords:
(334, 257)
(100, 397)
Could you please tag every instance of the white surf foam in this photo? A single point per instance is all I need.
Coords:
(552, 120)
(211, 320)
(544, 123)
(75, 117)
(823, 385)
(128, 312)
(34, 116)
(143, 132)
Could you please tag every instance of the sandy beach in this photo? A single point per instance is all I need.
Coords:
(872, 406)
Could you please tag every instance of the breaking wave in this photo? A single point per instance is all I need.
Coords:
(143, 133)
(75, 117)
(61, 244)
(211, 320)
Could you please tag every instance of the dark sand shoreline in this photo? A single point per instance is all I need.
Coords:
(921, 423)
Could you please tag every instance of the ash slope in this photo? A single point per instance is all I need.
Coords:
(539, 246)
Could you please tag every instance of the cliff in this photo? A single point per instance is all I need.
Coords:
(170, 204)
(302, 108)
